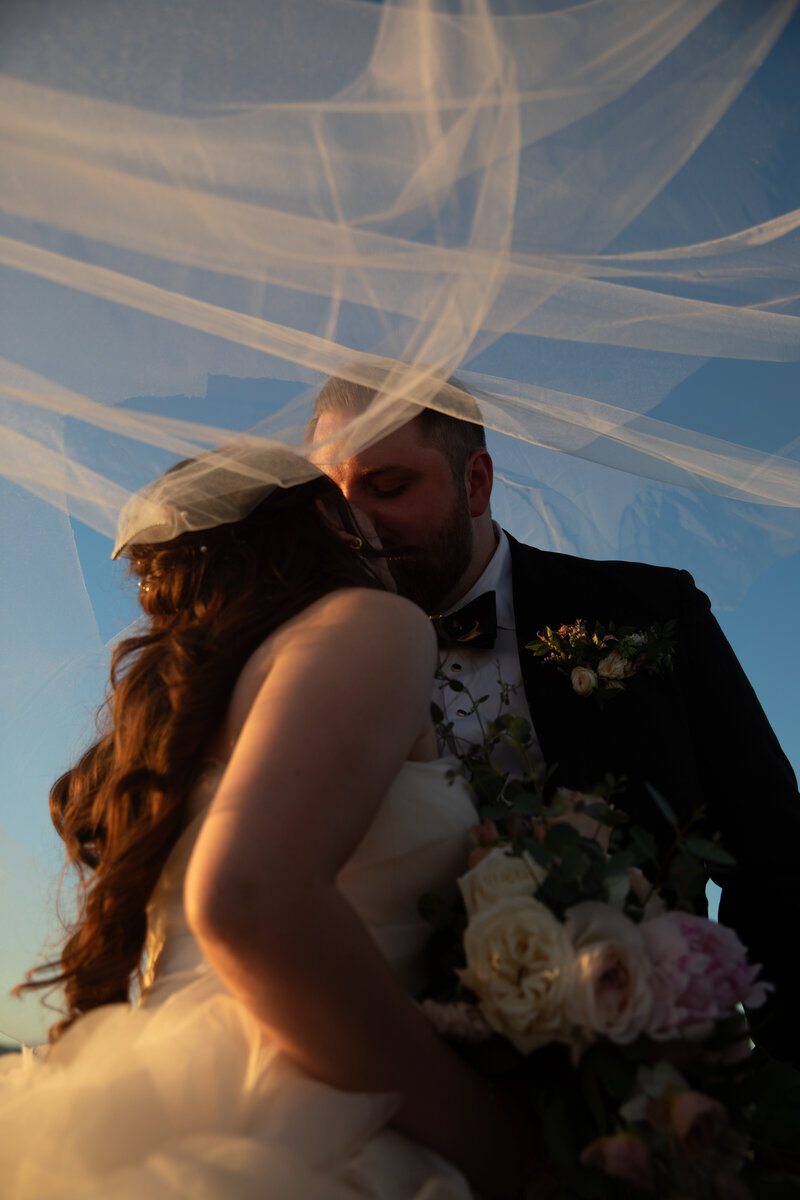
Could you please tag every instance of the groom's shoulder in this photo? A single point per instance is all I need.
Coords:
(552, 567)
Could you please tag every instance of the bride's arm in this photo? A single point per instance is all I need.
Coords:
(344, 699)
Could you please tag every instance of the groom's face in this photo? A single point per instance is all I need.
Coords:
(419, 510)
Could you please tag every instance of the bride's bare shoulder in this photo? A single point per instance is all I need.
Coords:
(354, 606)
(353, 625)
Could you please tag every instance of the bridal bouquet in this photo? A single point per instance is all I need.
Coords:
(573, 968)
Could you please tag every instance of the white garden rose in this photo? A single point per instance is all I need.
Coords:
(497, 876)
(583, 680)
(519, 964)
(611, 992)
(614, 666)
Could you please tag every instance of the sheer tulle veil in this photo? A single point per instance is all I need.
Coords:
(586, 213)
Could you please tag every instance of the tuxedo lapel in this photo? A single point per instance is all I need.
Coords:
(632, 734)
(563, 722)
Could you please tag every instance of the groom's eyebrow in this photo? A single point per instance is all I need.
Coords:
(386, 468)
(375, 474)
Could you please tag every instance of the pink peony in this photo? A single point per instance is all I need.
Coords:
(700, 974)
(623, 1156)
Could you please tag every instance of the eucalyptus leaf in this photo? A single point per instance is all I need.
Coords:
(538, 852)
(663, 806)
(517, 789)
(520, 729)
(493, 812)
(435, 910)
(526, 806)
(709, 851)
(621, 862)
(557, 1133)
(644, 841)
(559, 893)
(612, 1069)
(574, 864)
(687, 876)
(597, 809)
(561, 837)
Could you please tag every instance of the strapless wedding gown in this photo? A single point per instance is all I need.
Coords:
(185, 1097)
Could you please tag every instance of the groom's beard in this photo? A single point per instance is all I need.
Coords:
(428, 572)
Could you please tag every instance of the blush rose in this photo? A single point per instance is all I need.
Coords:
(610, 994)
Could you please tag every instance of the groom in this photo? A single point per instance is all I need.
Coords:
(698, 734)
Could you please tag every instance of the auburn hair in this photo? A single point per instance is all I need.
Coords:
(210, 598)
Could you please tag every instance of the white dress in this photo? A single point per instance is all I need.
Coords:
(184, 1096)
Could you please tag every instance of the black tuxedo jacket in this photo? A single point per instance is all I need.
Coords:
(697, 734)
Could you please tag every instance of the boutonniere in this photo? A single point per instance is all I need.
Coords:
(600, 662)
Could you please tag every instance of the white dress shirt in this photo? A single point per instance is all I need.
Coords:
(481, 671)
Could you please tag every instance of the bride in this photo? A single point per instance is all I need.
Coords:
(255, 823)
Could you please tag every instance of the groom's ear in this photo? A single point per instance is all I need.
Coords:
(478, 477)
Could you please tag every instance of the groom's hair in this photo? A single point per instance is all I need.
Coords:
(455, 437)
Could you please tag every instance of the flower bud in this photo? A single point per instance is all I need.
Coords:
(622, 1156)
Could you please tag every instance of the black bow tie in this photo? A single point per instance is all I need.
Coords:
(474, 625)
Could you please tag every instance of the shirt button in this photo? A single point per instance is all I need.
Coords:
(455, 666)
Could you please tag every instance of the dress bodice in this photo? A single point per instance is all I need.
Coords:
(416, 843)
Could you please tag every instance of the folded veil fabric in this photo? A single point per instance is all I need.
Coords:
(586, 212)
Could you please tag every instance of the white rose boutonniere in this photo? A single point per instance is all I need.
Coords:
(583, 680)
(599, 663)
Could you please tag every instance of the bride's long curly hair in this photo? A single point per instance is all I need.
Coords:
(210, 599)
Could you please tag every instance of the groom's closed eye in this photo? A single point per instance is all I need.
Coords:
(387, 485)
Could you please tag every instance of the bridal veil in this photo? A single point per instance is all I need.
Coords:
(585, 212)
